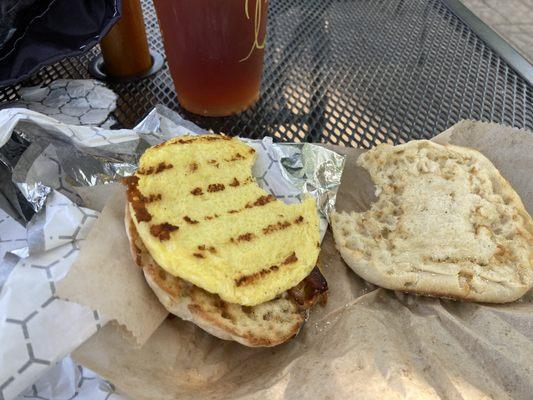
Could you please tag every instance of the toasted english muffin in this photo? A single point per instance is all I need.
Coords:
(267, 324)
(445, 223)
(203, 218)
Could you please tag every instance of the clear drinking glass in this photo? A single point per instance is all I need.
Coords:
(215, 52)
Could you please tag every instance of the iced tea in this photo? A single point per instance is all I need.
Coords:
(215, 52)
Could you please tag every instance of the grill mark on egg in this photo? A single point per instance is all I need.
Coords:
(162, 231)
(269, 229)
(251, 278)
(155, 169)
(216, 187)
(278, 226)
(299, 219)
(261, 201)
(189, 220)
(236, 157)
(196, 139)
(290, 259)
(211, 249)
(136, 199)
(214, 163)
(248, 279)
(245, 237)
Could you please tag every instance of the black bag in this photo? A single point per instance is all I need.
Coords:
(34, 33)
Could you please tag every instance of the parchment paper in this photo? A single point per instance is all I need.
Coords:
(366, 343)
(105, 273)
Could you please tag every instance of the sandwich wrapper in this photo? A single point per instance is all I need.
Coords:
(366, 342)
(55, 178)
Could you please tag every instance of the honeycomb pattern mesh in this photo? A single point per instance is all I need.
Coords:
(347, 72)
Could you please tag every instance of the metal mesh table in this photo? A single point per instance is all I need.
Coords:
(348, 72)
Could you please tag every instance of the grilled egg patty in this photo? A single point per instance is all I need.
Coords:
(203, 218)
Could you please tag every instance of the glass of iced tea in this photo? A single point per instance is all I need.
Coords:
(215, 52)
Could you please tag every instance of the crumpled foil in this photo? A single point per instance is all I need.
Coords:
(65, 158)
(46, 167)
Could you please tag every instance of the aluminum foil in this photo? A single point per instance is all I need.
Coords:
(47, 170)
(68, 157)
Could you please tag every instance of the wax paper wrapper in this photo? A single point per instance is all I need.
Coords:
(74, 101)
(56, 180)
(366, 343)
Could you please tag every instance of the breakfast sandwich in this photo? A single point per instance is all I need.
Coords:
(216, 248)
(445, 223)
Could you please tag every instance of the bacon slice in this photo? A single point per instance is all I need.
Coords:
(313, 289)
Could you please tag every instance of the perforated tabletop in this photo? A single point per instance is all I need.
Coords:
(348, 72)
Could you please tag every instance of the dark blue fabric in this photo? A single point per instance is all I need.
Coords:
(34, 33)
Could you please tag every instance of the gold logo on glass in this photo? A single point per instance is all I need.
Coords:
(257, 27)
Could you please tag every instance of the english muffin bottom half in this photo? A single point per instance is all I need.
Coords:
(216, 248)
